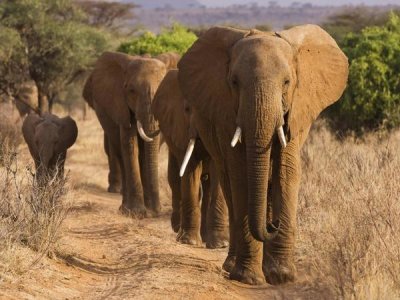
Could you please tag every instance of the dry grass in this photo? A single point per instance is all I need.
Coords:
(30, 216)
(349, 214)
(10, 124)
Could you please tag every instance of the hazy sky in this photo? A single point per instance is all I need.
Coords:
(288, 2)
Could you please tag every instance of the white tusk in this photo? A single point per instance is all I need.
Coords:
(141, 132)
(236, 137)
(281, 136)
(188, 153)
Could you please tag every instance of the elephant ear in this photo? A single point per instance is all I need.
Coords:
(168, 109)
(203, 72)
(28, 131)
(69, 133)
(107, 86)
(170, 59)
(321, 71)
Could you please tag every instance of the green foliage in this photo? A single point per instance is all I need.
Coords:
(372, 99)
(175, 39)
(57, 44)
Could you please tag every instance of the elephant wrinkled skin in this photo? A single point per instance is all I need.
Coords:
(254, 83)
(174, 121)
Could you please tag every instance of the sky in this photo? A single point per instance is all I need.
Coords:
(288, 2)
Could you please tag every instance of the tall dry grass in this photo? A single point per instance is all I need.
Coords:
(30, 216)
(349, 214)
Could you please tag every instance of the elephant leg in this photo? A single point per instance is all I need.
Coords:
(190, 206)
(114, 174)
(205, 202)
(278, 262)
(175, 184)
(230, 260)
(248, 264)
(132, 200)
(217, 215)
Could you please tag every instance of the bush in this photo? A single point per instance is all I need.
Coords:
(175, 39)
(372, 98)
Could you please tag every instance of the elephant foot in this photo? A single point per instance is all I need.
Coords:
(229, 263)
(114, 188)
(152, 213)
(277, 272)
(252, 276)
(185, 237)
(137, 211)
(175, 221)
(217, 239)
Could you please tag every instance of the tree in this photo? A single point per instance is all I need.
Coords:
(110, 15)
(58, 46)
(175, 39)
(12, 61)
(372, 98)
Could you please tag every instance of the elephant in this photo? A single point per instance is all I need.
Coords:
(264, 89)
(120, 89)
(48, 138)
(193, 223)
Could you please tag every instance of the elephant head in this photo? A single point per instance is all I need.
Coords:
(122, 84)
(48, 138)
(262, 84)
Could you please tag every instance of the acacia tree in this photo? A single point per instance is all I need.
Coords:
(58, 45)
(12, 61)
(105, 14)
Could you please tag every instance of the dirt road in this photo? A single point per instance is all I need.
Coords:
(104, 255)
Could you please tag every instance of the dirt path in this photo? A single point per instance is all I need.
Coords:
(104, 255)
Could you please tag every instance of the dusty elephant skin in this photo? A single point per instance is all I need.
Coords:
(121, 89)
(48, 138)
(174, 121)
(257, 84)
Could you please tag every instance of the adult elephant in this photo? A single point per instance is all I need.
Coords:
(121, 89)
(265, 90)
(48, 138)
(192, 222)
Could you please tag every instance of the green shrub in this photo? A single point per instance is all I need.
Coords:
(372, 98)
(175, 39)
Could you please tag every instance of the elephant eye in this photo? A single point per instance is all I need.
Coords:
(287, 81)
(235, 81)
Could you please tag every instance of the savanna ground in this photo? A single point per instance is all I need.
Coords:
(348, 238)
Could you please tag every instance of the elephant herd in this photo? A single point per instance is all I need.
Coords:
(234, 111)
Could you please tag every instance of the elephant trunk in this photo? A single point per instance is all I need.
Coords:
(150, 134)
(151, 164)
(263, 117)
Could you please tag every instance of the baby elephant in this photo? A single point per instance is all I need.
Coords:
(48, 138)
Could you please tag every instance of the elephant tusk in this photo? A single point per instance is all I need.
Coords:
(201, 192)
(141, 132)
(236, 137)
(281, 136)
(188, 154)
